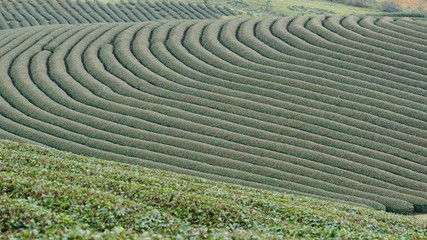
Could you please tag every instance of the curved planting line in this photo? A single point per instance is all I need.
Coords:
(180, 10)
(101, 13)
(370, 23)
(86, 8)
(43, 12)
(227, 11)
(3, 22)
(278, 29)
(118, 12)
(169, 65)
(65, 4)
(392, 25)
(215, 61)
(74, 4)
(51, 15)
(5, 13)
(253, 56)
(89, 10)
(183, 56)
(268, 45)
(56, 8)
(321, 46)
(58, 142)
(100, 137)
(203, 9)
(195, 11)
(210, 43)
(149, 7)
(180, 54)
(340, 44)
(175, 78)
(173, 12)
(216, 99)
(32, 21)
(13, 137)
(420, 24)
(167, 10)
(121, 40)
(32, 13)
(415, 29)
(37, 12)
(147, 12)
(16, 16)
(122, 7)
(365, 26)
(140, 16)
(225, 66)
(405, 58)
(108, 11)
(213, 9)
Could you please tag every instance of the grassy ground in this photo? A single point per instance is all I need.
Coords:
(47, 193)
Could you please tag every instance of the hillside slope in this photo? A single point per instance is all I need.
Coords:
(329, 107)
(48, 194)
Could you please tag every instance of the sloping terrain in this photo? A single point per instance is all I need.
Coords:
(48, 194)
(330, 107)
(16, 13)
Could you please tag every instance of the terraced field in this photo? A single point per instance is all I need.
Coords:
(17, 13)
(331, 107)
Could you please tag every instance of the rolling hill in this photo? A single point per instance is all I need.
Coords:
(331, 107)
(324, 106)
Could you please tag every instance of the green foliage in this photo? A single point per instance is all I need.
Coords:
(45, 193)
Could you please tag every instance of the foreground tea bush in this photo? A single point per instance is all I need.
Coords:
(47, 193)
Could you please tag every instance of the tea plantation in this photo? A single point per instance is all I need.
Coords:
(331, 107)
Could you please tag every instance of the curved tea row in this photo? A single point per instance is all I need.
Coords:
(327, 107)
(17, 13)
